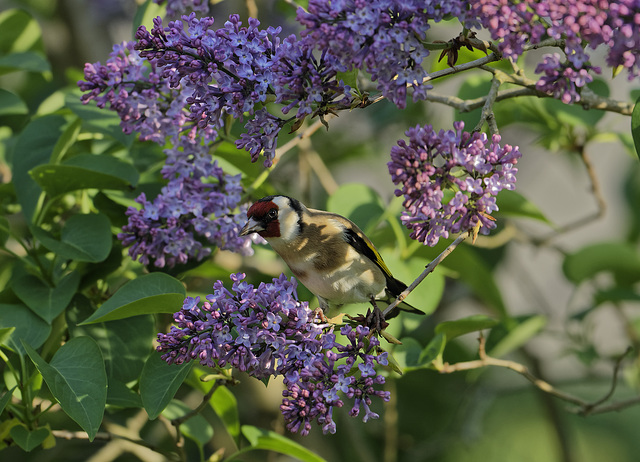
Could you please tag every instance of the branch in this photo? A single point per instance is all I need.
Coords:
(487, 108)
(428, 269)
(588, 99)
(583, 407)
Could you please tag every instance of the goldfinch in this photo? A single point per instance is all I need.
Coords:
(327, 252)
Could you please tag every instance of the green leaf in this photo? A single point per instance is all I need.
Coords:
(28, 327)
(272, 441)
(28, 440)
(407, 355)
(11, 104)
(84, 237)
(515, 204)
(432, 353)
(225, 404)
(66, 140)
(453, 329)
(45, 301)
(77, 379)
(6, 397)
(125, 344)
(196, 428)
(20, 32)
(85, 171)
(96, 119)
(25, 61)
(349, 78)
(503, 340)
(120, 395)
(428, 294)
(34, 147)
(635, 126)
(358, 202)
(159, 382)
(618, 258)
(148, 294)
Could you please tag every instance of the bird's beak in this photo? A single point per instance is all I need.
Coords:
(252, 226)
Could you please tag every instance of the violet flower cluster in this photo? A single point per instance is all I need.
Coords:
(266, 331)
(380, 36)
(450, 179)
(197, 208)
(177, 225)
(613, 24)
(235, 70)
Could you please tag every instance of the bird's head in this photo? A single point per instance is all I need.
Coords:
(274, 217)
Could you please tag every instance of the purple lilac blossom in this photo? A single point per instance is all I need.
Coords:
(380, 36)
(228, 70)
(191, 214)
(197, 205)
(450, 179)
(581, 24)
(266, 331)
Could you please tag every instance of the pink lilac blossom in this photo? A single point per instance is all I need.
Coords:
(449, 180)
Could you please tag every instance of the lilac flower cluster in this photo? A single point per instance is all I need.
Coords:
(189, 213)
(237, 69)
(380, 36)
(614, 24)
(143, 100)
(198, 203)
(450, 179)
(266, 331)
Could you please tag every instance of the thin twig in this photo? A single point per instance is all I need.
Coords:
(614, 383)
(597, 194)
(487, 108)
(306, 133)
(428, 269)
(205, 401)
(588, 99)
(583, 407)
(462, 67)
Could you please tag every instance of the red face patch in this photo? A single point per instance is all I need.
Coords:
(266, 213)
(259, 210)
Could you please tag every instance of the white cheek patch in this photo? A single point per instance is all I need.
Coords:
(288, 225)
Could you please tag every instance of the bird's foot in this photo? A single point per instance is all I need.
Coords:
(320, 314)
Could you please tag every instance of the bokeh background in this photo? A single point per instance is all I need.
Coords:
(489, 414)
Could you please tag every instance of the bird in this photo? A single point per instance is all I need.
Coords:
(327, 252)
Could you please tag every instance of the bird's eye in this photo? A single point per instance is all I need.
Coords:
(273, 213)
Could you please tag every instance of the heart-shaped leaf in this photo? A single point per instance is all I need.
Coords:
(148, 294)
(45, 301)
(77, 379)
(26, 439)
